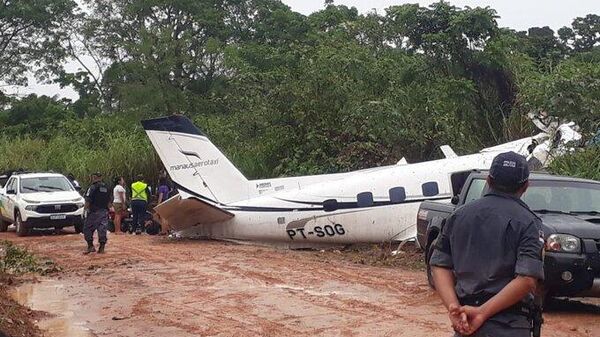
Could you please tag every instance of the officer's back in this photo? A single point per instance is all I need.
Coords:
(487, 233)
(488, 257)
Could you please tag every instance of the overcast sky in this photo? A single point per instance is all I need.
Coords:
(516, 14)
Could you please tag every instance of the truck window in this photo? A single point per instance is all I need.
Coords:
(475, 190)
(458, 180)
(11, 185)
(564, 196)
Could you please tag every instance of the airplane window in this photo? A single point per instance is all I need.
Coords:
(397, 194)
(364, 199)
(330, 205)
(430, 189)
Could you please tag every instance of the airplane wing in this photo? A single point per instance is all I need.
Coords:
(184, 213)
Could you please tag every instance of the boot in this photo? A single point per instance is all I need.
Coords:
(90, 249)
(101, 248)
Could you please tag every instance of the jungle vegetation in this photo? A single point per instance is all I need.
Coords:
(283, 93)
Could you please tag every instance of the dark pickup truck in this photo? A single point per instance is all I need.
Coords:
(570, 212)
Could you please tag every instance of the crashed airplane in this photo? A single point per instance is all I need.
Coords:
(216, 201)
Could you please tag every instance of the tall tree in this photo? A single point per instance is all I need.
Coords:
(584, 33)
(29, 37)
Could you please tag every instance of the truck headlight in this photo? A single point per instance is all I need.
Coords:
(563, 243)
(31, 207)
(80, 204)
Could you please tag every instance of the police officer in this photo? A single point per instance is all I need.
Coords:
(140, 193)
(488, 259)
(97, 200)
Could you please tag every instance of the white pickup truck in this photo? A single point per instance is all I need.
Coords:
(40, 200)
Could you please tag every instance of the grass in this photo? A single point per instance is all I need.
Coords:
(121, 154)
(15, 260)
(583, 164)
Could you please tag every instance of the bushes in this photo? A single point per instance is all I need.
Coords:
(74, 149)
(583, 164)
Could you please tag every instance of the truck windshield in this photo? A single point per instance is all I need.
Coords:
(551, 195)
(563, 196)
(45, 184)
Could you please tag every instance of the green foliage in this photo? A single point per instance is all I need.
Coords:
(29, 36)
(16, 260)
(39, 116)
(583, 164)
(284, 94)
(583, 35)
(571, 90)
(110, 144)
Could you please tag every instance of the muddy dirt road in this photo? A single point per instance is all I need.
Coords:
(150, 286)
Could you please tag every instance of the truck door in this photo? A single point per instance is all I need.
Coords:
(8, 199)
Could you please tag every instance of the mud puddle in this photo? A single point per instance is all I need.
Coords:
(51, 297)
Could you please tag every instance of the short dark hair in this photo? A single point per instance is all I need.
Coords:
(117, 179)
(140, 177)
(512, 189)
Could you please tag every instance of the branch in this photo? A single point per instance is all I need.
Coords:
(97, 83)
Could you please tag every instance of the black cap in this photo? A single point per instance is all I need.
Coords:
(509, 169)
(97, 174)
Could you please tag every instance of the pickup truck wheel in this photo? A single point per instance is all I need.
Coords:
(4, 225)
(21, 227)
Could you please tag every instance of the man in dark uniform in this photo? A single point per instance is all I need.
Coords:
(97, 199)
(488, 259)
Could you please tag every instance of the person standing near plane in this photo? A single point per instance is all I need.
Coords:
(488, 259)
(97, 199)
(119, 202)
(140, 194)
(163, 191)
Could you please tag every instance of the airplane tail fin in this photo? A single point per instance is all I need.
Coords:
(194, 163)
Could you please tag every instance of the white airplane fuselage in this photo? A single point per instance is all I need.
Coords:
(374, 205)
(290, 210)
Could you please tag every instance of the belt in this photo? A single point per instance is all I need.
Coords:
(520, 308)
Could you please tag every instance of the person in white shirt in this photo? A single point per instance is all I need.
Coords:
(119, 202)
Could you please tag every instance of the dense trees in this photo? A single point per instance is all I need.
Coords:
(285, 93)
(29, 37)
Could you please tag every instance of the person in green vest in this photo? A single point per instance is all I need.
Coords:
(140, 194)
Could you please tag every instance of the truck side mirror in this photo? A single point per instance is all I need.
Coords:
(455, 199)
(11, 192)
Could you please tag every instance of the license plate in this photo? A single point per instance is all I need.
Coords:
(58, 217)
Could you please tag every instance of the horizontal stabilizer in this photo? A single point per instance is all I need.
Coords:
(181, 213)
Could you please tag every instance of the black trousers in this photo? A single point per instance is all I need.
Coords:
(138, 208)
